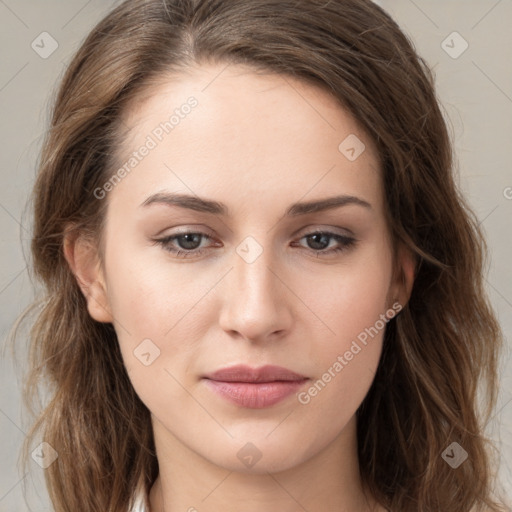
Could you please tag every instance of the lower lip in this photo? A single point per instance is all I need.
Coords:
(255, 395)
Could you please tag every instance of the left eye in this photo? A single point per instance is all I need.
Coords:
(321, 238)
(189, 243)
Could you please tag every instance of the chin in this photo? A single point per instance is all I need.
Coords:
(260, 455)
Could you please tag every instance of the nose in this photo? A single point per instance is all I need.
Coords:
(256, 301)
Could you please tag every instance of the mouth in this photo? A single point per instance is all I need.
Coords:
(255, 388)
(244, 373)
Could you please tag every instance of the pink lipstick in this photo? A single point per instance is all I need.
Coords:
(255, 388)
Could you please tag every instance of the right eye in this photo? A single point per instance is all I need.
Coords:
(188, 241)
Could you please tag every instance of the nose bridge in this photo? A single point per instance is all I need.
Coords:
(252, 268)
(254, 304)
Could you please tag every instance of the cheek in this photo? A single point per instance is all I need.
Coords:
(148, 296)
(160, 317)
(351, 297)
(352, 307)
(150, 316)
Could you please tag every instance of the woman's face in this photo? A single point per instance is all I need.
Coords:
(252, 285)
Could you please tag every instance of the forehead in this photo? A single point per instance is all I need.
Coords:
(261, 135)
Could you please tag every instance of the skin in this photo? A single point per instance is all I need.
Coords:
(257, 143)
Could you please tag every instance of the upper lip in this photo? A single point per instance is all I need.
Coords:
(244, 373)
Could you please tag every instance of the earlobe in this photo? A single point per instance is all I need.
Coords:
(405, 273)
(82, 257)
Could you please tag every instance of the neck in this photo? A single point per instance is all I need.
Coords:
(327, 481)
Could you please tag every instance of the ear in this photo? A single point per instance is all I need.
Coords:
(82, 257)
(403, 276)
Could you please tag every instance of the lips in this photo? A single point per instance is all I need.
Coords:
(244, 373)
(254, 388)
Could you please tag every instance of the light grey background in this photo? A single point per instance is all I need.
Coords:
(475, 89)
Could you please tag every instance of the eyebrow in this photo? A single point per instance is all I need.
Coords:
(198, 204)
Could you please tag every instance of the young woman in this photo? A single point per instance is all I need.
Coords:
(264, 290)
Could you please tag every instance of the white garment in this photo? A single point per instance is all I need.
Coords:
(138, 506)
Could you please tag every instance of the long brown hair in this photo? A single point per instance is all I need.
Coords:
(438, 353)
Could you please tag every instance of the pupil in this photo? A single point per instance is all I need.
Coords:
(315, 239)
(189, 240)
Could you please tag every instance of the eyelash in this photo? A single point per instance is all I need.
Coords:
(346, 242)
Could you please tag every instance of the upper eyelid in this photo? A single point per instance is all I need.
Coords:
(313, 231)
(305, 231)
